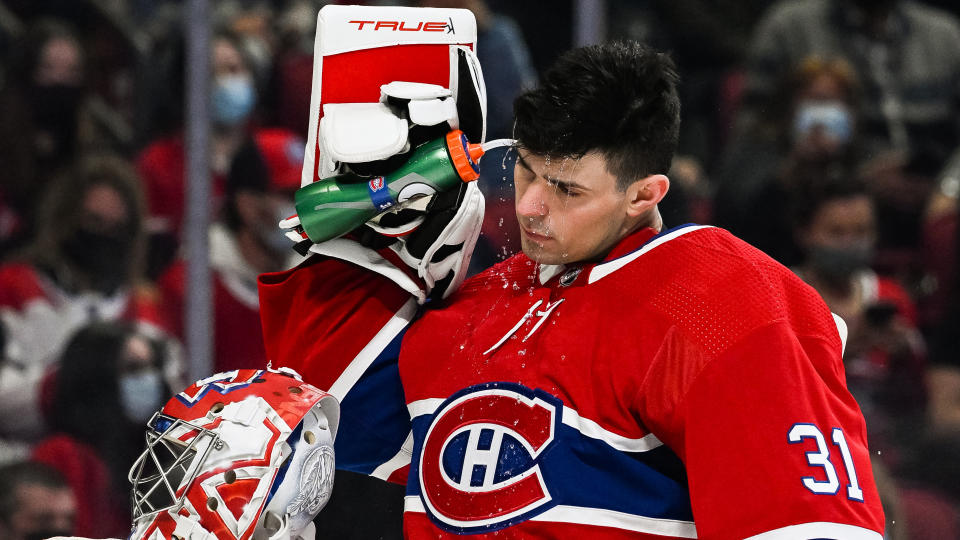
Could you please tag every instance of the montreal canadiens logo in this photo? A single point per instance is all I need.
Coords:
(480, 465)
(376, 184)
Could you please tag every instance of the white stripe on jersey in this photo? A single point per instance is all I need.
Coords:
(618, 520)
(593, 430)
(820, 529)
(603, 270)
(368, 354)
(597, 517)
(399, 461)
(424, 406)
(572, 418)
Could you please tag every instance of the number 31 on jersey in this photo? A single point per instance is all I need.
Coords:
(821, 458)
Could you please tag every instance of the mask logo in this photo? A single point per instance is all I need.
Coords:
(480, 466)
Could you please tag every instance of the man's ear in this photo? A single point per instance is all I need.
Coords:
(646, 193)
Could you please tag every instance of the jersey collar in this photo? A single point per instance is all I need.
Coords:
(625, 251)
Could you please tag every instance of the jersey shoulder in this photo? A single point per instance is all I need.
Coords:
(717, 289)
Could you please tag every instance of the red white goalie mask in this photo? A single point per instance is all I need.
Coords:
(241, 455)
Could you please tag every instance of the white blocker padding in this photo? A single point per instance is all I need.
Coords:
(361, 132)
(358, 49)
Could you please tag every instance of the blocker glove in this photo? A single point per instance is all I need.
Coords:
(424, 242)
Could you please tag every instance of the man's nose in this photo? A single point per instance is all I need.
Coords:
(532, 202)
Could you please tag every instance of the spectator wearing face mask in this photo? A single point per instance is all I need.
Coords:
(906, 55)
(84, 266)
(808, 130)
(109, 382)
(35, 502)
(245, 243)
(884, 354)
(233, 101)
(42, 114)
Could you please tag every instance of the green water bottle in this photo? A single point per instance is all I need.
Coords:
(334, 206)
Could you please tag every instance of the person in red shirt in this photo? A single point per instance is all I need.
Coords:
(233, 102)
(245, 243)
(86, 265)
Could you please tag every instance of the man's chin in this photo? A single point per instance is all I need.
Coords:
(537, 253)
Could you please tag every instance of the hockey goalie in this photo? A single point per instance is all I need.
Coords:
(617, 379)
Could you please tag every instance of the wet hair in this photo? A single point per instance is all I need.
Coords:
(14, 475)
(619, 99)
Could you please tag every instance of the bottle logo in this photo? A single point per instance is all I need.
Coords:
(379, 194)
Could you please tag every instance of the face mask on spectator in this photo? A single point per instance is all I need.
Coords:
(833, 262)
(102, 257)
(141, 394)
(233, 99)
(833, 117)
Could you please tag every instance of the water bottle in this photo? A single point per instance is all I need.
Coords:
(336, 205)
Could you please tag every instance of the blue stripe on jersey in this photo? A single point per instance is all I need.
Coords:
(586, 472)
(376, 413)
(583, 471)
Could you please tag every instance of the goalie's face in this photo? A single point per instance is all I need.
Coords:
(571, 210)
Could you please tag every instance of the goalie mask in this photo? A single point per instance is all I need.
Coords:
(246, 454)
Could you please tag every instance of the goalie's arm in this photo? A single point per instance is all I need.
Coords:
(340, 326)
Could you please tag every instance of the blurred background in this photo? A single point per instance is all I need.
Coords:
(824, 132)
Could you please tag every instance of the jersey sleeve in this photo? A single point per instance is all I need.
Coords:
(341, 328)
(774, 445)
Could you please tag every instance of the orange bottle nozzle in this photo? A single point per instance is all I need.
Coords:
(464, 155)
(475, 151)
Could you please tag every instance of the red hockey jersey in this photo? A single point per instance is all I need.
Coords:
(688, 386)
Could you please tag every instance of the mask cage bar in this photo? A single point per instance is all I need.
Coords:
(161, 433)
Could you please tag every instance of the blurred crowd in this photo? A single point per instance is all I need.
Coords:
(824, 132)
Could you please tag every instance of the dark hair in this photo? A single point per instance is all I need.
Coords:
(26, 53)
(22, 473)
(86, 397)
(248, 172)
(618, 98)
(811, 198)
(61, 209)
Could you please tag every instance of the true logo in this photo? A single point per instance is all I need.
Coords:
(406, 26)
(480, 466)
